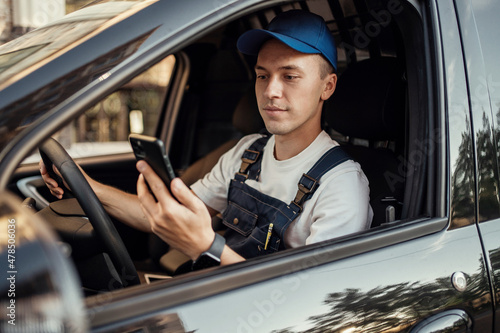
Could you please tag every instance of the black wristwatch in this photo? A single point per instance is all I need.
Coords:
(211, 257)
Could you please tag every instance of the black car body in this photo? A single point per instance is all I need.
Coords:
(417, 105)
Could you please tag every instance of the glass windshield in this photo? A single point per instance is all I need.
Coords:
(44, 47)
(40, 44)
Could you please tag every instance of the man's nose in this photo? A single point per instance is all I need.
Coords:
(274, 88)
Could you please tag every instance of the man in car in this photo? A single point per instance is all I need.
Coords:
(291, 188)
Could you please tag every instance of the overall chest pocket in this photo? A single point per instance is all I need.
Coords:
(239, 219)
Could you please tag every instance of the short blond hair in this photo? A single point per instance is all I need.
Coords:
(325, 67)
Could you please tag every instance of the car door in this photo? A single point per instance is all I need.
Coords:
(426, 274)
(477, 30)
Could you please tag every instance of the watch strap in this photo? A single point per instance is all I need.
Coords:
(211, 257)
(217, 246)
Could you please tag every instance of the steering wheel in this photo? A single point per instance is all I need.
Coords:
(54, 154)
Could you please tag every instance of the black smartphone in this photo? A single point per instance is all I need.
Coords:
(152, 150)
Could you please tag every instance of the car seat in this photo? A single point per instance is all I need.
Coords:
(368, 110)
(246, 120)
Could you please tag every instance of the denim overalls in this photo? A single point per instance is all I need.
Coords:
(257, 222)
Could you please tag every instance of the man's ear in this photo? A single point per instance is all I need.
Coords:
(330, 85)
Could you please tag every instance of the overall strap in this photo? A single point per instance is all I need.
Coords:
(251, 160)
(309, 181)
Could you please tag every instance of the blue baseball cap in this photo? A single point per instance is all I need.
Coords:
(303, 31)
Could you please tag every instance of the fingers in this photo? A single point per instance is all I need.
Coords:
(56, 170)
(153, 180)
(147, 200)
(43, 169)
(51, 183)
(179, 190)
(185, 195)
(184, 224)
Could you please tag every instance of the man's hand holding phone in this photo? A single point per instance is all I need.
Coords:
(184, 223)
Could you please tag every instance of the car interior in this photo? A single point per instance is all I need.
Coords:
(378, 113)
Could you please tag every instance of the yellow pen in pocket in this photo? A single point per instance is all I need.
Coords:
(268, 237)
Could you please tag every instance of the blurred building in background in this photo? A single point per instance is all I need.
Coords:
(20, 16)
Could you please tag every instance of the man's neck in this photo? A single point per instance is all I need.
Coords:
(290, 145)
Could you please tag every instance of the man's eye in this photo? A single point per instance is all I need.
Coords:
(290, 77)
(261, 76)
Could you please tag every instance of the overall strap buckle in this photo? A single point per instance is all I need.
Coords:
(306, 185)
(249, 157)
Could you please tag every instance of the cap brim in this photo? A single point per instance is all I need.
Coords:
(251, 41)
